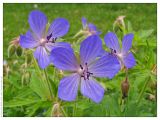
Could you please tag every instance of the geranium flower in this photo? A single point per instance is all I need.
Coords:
(85, 70)
(124, 55)
(44, 41)
(89, 28)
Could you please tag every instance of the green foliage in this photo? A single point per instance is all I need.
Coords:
(30, 91)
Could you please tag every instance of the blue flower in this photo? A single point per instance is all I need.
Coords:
(43, 41)
(85, 70)
(89, 28)
(124, 55)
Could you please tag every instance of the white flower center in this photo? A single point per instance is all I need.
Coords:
(120, 55)
(42, 41)
(83, 72)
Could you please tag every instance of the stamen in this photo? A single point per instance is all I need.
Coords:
(54, 40)
(49, 37)
(113, 51)
(84, 72)
(81, 67)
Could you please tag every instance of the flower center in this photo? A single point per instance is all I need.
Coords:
(42, 41)
(83, 72)
(120, 55)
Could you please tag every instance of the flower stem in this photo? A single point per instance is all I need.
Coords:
(78, 34)
(64, 113)
(48, 83)
(75, 108)
(143, 89)
(45, 74)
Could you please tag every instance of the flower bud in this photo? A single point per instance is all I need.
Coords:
(56, 111)
(19, 51)
(125, 88)
(26, 78)
(152, 97)
(119, 23)
(28, 58)
(11, 50)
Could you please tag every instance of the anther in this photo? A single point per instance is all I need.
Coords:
(49, 37)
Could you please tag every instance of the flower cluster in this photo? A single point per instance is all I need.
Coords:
(93, 62)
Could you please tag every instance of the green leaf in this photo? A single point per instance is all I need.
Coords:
(39, 85)
(146, 33)
(21, 102)
(129, 25)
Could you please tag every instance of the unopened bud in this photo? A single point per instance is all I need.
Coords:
(28, 58)
(119, 23)
(11, 50)
(26, 78)
(151, 97)
(56, 111)
(125, 88)
(19, 51)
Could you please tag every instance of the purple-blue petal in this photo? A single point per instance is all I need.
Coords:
(58, 28)
(103, 53)
(93, 28)
(90, 48)
(127, 42)
(49, 46)
(27, 41)
(84, 23)
(37, 21)
(106, 66)
(42, 57)
(64, 59)
(111, 41)
(68, 87)
(92, 89)
(129, 60)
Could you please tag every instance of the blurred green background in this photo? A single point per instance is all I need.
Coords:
(26, 97)
(142, 16)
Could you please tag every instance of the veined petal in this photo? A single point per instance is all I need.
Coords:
(68, 87)
(129, 60)
(91, 89)
(58, 28)
(84, 23)
(27, 41)
(63, 44)
(103, 53)
(37, 21)
(90, 48)
(106, 66)
(64, 59)
(111, 41)
(50, 45)
(127, 42)
(41, 55)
